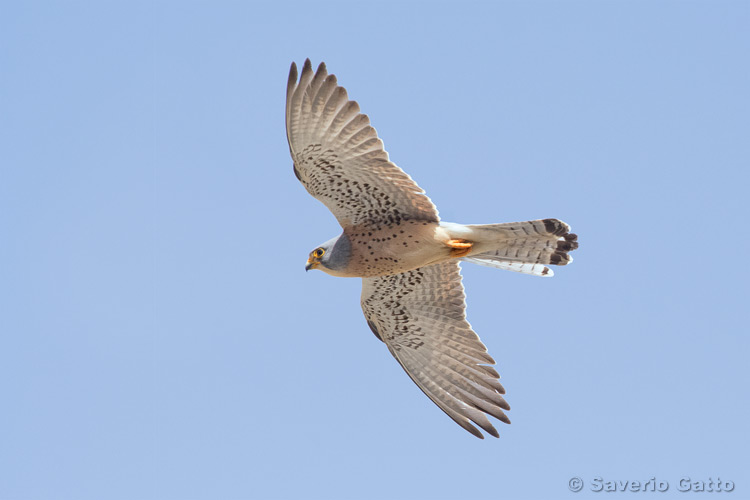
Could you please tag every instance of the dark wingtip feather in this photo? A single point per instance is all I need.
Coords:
(487, 426)
(474, 431)
(292, 79)
(464, 423)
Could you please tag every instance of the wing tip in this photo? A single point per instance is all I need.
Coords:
(292, 81)
(472, 430)
(486, 427)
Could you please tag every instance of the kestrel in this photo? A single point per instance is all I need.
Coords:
(408, 259)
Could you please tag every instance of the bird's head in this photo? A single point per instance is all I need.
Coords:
(331, 257)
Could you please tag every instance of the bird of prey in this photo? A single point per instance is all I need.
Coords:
(408, 259)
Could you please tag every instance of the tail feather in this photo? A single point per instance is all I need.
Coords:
(523, 247)
(519, 267)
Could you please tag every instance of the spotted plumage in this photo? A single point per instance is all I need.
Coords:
(392, 238)
(420, 316)
(340, 160)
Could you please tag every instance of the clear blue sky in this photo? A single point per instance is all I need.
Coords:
(159, 338)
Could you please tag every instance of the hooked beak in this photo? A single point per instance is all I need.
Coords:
(311, 264)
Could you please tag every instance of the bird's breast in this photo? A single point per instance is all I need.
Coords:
(395, 249)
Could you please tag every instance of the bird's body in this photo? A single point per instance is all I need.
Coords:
(393, 239)
(380, 251)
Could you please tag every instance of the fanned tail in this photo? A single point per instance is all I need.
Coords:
(524, 247)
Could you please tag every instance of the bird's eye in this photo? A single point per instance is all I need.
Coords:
(318, 252)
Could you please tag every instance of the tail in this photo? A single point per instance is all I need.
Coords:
(524, 247)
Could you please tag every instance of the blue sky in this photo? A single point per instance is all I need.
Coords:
(159, 338)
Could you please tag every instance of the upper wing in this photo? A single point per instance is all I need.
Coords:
(420, 317)
(339, 158)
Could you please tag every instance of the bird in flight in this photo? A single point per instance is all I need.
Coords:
(408, 259)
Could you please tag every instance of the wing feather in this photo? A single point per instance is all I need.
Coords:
(420, 316)
(462, 414)
(339, 158)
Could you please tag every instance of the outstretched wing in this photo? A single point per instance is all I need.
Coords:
(420, 315)
(339, 158)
